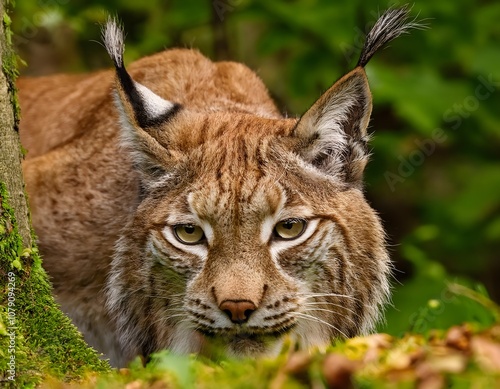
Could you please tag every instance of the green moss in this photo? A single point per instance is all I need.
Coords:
(45, 341)
(9, 65)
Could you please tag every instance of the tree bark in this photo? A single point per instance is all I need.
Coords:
(10, 150)
(36, 339)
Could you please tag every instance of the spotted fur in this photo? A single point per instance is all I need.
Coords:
(119, 161)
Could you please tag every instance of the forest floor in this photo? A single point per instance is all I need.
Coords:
(461, 357)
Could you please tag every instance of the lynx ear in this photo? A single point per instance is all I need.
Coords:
(333, 130)
(143, 108)
(142, 112)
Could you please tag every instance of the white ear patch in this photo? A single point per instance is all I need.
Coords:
(335, 110)
(154, 105)
(334, 129)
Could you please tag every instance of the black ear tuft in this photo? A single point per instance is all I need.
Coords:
(144, 108)
(113, 38)
(393, 23)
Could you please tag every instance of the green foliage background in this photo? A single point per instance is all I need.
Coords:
(435, 172)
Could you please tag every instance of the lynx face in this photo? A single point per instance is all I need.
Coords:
(242, 241)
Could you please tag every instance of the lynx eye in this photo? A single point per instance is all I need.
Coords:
(290, 228)
(188, 233)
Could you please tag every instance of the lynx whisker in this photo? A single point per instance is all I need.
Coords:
(316, 319)
(328, 303)
(170, 302)
(166, 319)
(329, 311)
(315, 295)
(176, 315)
(175, 309)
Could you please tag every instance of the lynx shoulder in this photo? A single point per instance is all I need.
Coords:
(176, 208)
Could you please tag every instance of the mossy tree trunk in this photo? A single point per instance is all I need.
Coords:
(37, 340)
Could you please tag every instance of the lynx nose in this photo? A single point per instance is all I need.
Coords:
(238, 311)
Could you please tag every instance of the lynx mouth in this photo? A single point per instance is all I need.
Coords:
(245, 343)
(251, 333)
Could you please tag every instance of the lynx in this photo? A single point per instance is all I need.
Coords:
(176, 208)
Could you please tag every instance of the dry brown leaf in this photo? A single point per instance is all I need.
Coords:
(458, 337)
(375, 344)
(486, 352)
(137, 384)
(372, 341)
(399, 360)
(452, 363)
(158, 384)
(494, 333)
(431, 381)
(338, 370)
(406, 375)
(298, 362)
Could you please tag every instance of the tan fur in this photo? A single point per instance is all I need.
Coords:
(107, 194)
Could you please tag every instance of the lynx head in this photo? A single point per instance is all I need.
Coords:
(248, 227)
